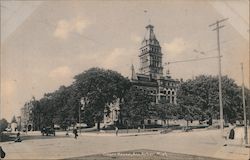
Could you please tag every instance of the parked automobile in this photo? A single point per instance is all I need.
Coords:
(48, 131)
(8, 129)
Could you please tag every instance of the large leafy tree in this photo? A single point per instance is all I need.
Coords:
(136, 106)
(167, 111)
(66, 102)
(47, 110)
(100, 88)
(199, 97)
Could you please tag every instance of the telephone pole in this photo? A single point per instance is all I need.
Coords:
(217, 28)
(244, 105)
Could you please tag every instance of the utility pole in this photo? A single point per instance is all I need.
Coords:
(249, 74)
(244, 105)
(217, 28)
(80, 119)
(81, 108)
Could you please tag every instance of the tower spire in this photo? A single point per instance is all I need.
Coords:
(147, 16)
(133, 75)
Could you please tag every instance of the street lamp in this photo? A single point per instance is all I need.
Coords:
(81, 108)
(19, 121)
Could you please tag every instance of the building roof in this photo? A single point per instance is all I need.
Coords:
(146, 80)
(150, 38)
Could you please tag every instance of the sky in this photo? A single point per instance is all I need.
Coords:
(45, 43)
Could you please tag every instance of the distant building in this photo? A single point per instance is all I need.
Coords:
(13, 126)
(150, 78)
(26, 117)
(111, 117)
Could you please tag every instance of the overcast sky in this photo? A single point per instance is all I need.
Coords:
(45, 43)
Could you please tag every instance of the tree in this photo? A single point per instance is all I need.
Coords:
(55, 108)
(66, 102)
(101, 88)
(200, 98)
(46, 110)
(136, 106)
(167, 111)
(3, 125)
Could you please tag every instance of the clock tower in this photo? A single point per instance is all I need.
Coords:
(150, 55)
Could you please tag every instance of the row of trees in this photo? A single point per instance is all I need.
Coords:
(196, 99)
(99, 88)
(199, 98)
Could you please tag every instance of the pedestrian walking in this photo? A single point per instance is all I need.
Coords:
(116, 131)
(67, 132)
(75, 132)
(43, 131)
(139, 129)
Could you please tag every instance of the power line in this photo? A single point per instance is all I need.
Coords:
(190, 60)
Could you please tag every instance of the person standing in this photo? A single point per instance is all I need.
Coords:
(116, 131)
(75, 133)
(230, 135)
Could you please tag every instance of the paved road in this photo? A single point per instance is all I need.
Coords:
(201, 143)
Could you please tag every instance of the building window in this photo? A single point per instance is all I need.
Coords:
(154, 99)
(149, 121)
(163, 97)
(168, 92)
(168, 100)
(172, 99)
(173, 93)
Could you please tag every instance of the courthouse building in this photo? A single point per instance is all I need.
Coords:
(150, 78)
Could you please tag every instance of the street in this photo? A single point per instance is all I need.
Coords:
(206, 143)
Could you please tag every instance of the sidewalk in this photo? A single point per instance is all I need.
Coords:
(235, 149)
(233, 152)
